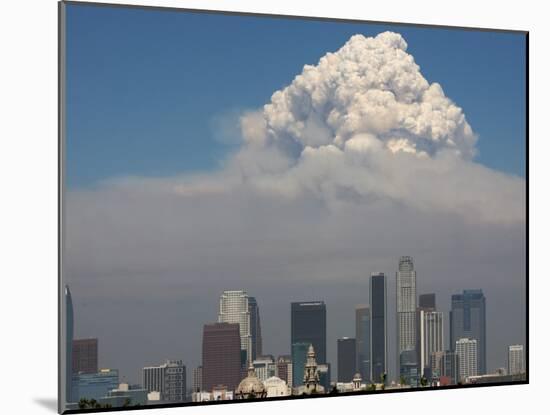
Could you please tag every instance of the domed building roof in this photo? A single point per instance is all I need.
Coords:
(250, 387)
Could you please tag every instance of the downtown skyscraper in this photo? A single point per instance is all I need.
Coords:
(235, 307)
(406, 306)
(378, 326)
(255, 328)
(85, 356)
(68, 327)
(431, 339)
(346, 359)
(362, 341)
(221, 356)
(516, 360)
(308, 324)
(467, 320)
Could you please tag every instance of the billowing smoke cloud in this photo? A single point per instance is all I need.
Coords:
(365, 124)
(357, 161)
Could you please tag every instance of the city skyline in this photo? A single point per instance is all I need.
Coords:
(202, 194)
(430, 331)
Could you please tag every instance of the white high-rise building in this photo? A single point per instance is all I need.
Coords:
(406, 306)
(169, 379)
(466, 349)
(431, 337)
(234, 308)
(516, 363)
(264, 367)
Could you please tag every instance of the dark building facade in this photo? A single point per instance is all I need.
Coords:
(299, 359)
(408, 368)
(449, 367)
(346, 359)
(85, 356)
(378, 332)
(426, 301)
(309, 325)
(255, 327)
(362, 341)
(68, 326)
(467, 320)
(221, 356)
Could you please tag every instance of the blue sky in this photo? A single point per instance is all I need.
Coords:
(144, 86)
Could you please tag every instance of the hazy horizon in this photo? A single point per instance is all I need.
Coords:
(242, 159)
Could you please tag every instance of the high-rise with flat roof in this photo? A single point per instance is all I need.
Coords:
(284, 369)
(308, 324)
(430, 338)
(362, 341)
(467, 320)
(84, 356)
(378, 327)
(426, 301)
(406, 306)
(221, 356)
(466, 350)
(169, 379)
(516, 360)
(346, 359)
(197, 379)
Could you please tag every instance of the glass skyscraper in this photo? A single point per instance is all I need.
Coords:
(255, 328)
(378, 327)
(68, 326)
(362, 341)
(308, 324)
(299, 358)
(467, 320)
(234, 308)
(406, 306)
(346, 359)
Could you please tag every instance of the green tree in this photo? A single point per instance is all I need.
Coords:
(383, 377)
(423, 381)
(402, 380)
(83, 403)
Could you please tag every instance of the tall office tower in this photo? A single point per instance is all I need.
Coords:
(426, 301)
(346, 359)
(221, 356)
(255, 327)
(378, 326)
(308, 324)
(299, 359)
(68, 326)
(466, 350)
(445, 367)
(467, 320)
(197, 379)
(406, 306)
(430, 339)
(85, 356)
(516, 361)
(169, 379)
(362, 341)
(284, 369)
(234, 308)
